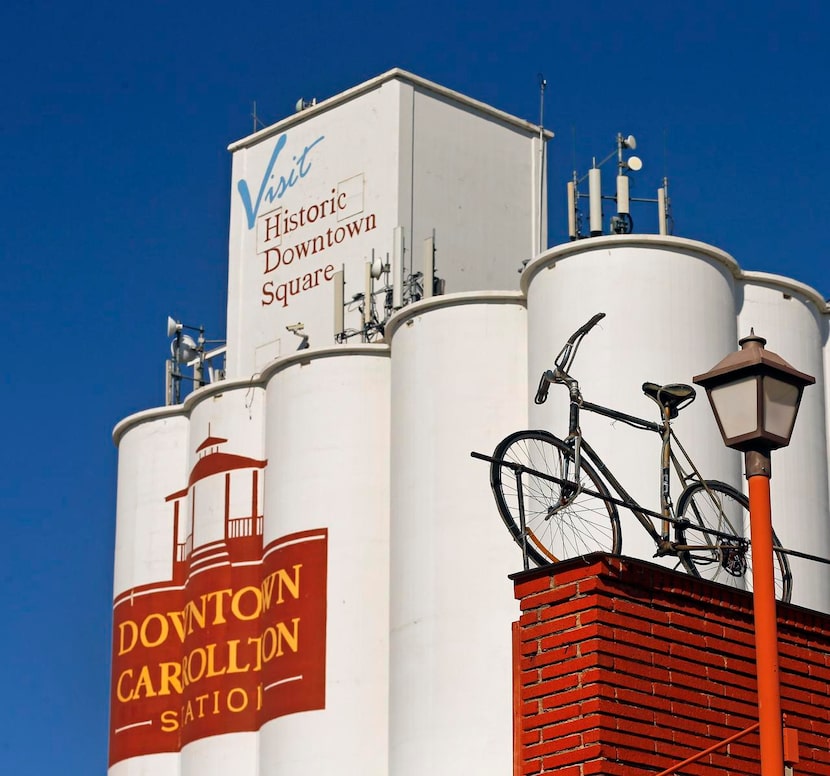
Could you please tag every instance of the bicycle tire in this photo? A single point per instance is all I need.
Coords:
(721, 507)
(555, 531)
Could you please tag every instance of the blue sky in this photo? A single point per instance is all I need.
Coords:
(115, 194)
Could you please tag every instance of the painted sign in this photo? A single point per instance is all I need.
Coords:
(236, 636)
(319, 196)
(292, 244)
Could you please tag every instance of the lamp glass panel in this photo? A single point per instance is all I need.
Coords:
(780, 404)
(736, 405)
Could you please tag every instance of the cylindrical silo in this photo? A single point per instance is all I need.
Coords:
(190, 585)
(670, 315)
(222, 539)
(327, 496)
(152, 462)
(458, 385)
(789, 315)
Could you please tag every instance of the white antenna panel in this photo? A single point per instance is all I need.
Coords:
(595, 200)
(661, 210)
(339, 291)
(367, 294)
(397, 267)
(429, 266)
(169, 383)
(571, 210)
(623, 201)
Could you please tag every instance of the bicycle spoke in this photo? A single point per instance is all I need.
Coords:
(714, 508)
(557, 526)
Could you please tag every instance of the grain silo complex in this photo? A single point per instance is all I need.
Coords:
(311, 576)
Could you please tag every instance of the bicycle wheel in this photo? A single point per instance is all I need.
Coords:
(716, 505)
(558, 524)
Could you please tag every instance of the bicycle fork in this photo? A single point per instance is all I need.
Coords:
(569, 493)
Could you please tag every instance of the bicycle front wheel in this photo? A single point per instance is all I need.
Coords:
(560, 522)
(717, 506)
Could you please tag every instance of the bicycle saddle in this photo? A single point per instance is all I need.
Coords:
(675, 396)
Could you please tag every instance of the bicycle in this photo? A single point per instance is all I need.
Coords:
(555, 497)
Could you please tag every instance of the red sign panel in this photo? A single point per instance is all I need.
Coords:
(234, 645)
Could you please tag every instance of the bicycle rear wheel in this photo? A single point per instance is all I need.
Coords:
(559, 523)
(716, 505)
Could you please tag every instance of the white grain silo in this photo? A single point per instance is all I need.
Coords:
(225, 504)
(790, 316)
(152, 461)
(670, 314)
(327, 434)
(458, 383)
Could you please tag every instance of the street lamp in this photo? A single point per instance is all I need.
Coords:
(755, 396)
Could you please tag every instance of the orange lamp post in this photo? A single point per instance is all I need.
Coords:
(755, 396)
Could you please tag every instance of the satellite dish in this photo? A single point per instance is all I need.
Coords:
(302, 104)
(172, 326)
(634, 163)
(187, 349)
(377, 267)
(630, 142)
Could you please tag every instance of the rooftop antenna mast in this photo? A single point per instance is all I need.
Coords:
(185, 351)
(257, 122)
(542, 86)
(397, 290)
(622, 222)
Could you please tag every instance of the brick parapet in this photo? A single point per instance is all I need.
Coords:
(627, 668)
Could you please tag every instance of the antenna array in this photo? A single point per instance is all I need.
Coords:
(185, 351)
(621, 222)
(399, 289)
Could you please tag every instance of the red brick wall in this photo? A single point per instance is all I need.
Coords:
(625, 669)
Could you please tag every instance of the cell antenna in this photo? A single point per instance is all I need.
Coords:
(622, 222)
(429, 266)
(397, 267)
(186, 351)
(338, 280)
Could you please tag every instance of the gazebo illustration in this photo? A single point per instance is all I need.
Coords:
(217, 517)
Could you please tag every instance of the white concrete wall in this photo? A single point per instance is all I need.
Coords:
(344, 166)
(475, 182)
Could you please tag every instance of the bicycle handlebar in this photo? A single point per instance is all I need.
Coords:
(565, 358)
(583, 330)
(542, 390)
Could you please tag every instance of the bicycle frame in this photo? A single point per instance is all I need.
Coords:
(668, 462)
(688, 473)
